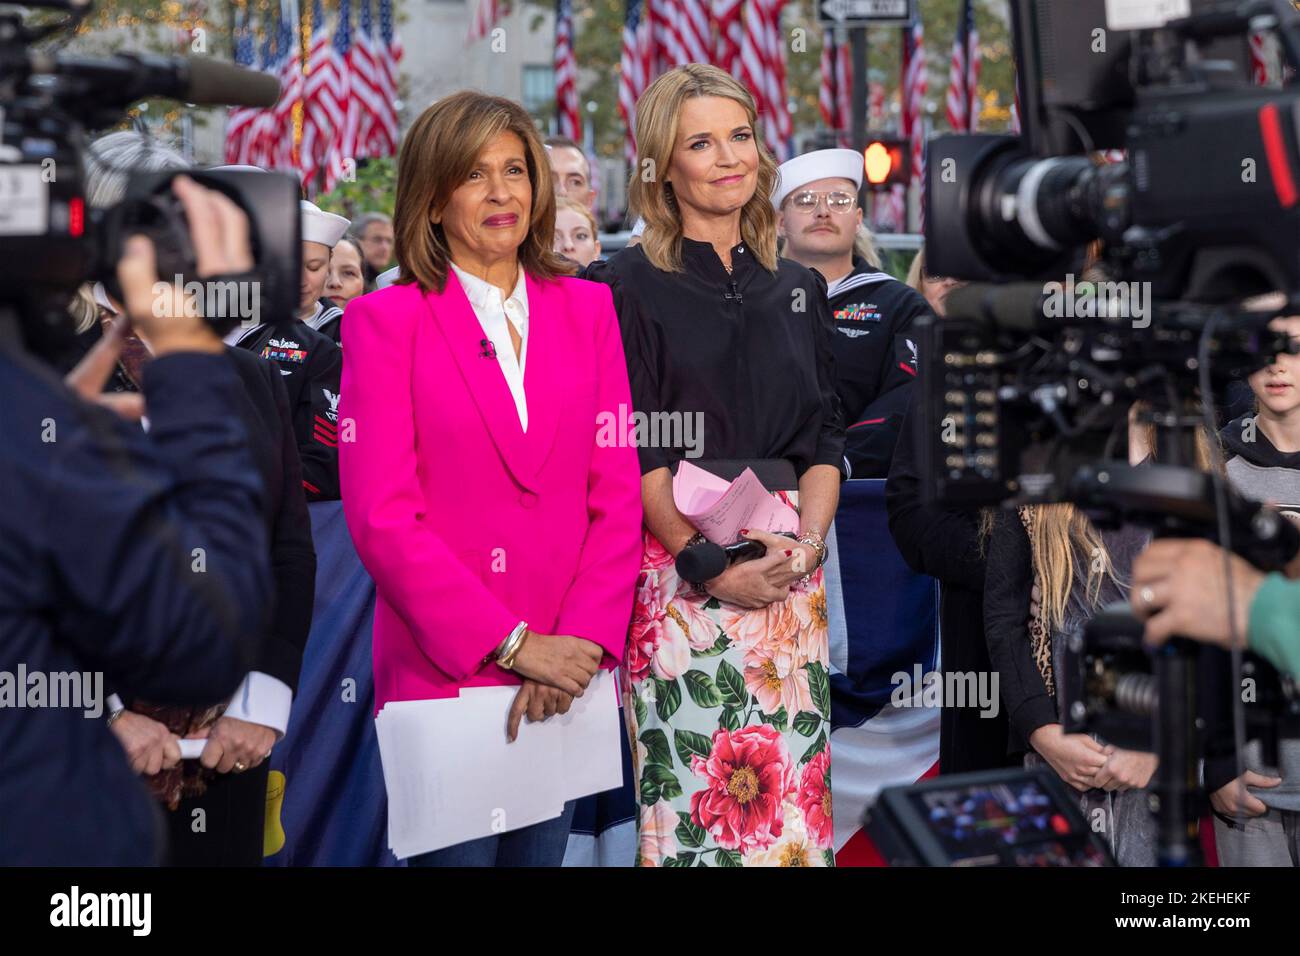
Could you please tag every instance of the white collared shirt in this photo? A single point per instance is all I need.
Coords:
(493, 311)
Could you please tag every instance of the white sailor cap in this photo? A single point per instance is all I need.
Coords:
(321, 226)
(819, 164)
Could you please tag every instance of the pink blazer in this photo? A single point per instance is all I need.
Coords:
(468, 524)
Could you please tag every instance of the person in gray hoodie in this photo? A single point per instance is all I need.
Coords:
(1257, 815)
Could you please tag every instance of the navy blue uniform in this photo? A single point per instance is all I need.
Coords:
(311, 365)
(123, 552)
(875, 362)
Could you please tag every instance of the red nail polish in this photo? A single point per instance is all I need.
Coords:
(788, 552)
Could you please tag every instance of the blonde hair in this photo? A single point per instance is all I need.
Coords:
(657, 114)
(916, 273)
(438, 153)
(564, 202)
(864, 247)
(1060, 533)
(83, 307)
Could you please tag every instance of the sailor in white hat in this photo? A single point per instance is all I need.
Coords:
(820, 220)
(321, 232)
(310, 362)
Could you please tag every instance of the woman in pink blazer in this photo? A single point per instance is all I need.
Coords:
(501, 530)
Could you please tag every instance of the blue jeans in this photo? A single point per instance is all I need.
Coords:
(541, 844)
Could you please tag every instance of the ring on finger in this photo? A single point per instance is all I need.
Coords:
(240, 766)
(1147, 596)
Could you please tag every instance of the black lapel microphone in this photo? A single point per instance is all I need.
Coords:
(489, 350)
(733, 293)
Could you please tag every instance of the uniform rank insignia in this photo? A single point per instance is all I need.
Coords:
(861, 312)
(284, 350)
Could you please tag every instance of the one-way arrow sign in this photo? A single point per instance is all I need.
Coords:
(863, 12)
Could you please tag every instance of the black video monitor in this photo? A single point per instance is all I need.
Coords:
(992, 818)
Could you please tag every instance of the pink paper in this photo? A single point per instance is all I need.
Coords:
(719, 509)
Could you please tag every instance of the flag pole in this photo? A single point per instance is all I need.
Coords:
(858, 45)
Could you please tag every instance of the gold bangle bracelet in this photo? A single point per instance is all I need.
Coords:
(507, 659)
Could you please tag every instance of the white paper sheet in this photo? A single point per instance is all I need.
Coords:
(192, 747)
(720, 509)
(452, 776)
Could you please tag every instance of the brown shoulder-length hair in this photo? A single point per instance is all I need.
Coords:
(651, 198)
(438, 153)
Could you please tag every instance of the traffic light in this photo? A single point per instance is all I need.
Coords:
(885, 162)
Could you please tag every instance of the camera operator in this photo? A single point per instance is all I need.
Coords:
(229, 779)
(126, 553)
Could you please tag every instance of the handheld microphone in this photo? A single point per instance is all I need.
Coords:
(706, 560)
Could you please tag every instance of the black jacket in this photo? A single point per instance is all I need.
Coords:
(1009, 584)
(945, 544)
(748, 354)
(875, 360)
(102, 530)
(312, 366)
(264, 408)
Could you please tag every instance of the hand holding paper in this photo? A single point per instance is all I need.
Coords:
(720, 509)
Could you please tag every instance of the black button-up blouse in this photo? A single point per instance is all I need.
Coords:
(749, 353)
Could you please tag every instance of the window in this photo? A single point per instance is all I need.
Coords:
(539, 88)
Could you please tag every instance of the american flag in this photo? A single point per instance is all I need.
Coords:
(827, 101)
(835, 95)
(324, 111)
(340, 149)
(1265, 62)
(289, 65)
(262, 134)
(486, 16)
(964, 73)
(669, 51)
(762, 64)
(367, 101)
(694, 29)
(566, 73)
(242, 119)
(844, 90)
(634, 71)
(915, 84)
(390, 54)
(726, 21)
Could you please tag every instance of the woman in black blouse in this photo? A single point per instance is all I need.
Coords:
(728, 680)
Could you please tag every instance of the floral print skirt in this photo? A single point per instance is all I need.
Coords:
(728, 711)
